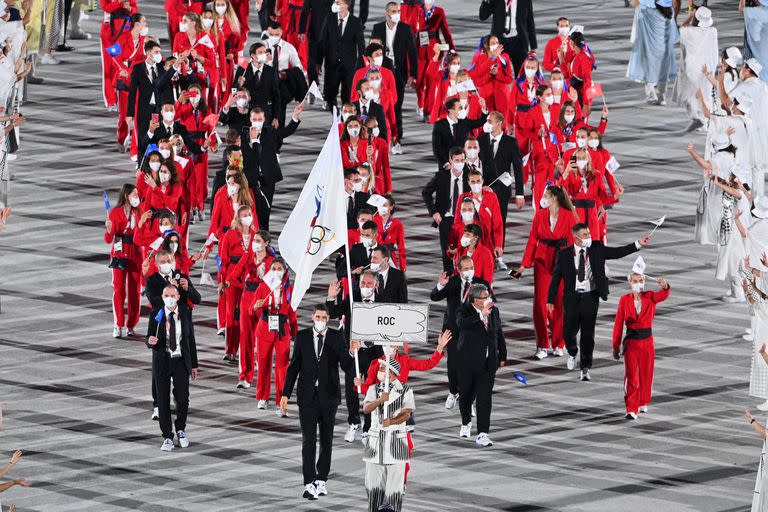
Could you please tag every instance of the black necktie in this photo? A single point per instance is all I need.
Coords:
(257, 78)
(350, 205)
(275, 57)
(319, 346)
(582, 272)
(370, 253)
(341, 28)
(380, 280)
(365, 111)
(172, 331)
(464, 290)
(153, 75)
(455, 195)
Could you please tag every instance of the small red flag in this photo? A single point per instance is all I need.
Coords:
(243, 62)
(211, 120)
(593, 92)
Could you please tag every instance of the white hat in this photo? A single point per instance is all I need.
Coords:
(735, 59)
(3, 6)
(576, 28)
(754, 65)
(760, 207)
(704, 16)
(720, 140)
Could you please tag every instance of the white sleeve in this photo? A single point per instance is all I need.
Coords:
(294, 60)
(408, 401)
(370, 396)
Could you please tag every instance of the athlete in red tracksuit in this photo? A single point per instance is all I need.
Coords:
(117, 21)
(229, 28)
(586, 187)
(125, 259)
(191, 110)
(132, 47)
(551, 230)
(487, 208)
(391, 232)
(481, 255)
(637, 346)
(492, 72)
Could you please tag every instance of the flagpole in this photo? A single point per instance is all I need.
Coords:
(351, 303)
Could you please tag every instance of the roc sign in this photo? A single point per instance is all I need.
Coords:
(390, 323)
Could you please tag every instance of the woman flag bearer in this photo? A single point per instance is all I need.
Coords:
(636, 310)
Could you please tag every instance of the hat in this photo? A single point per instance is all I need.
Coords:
(720, 140)
(704, 15)
(576, 28)
(734, 57)
(760, 207)
(754, 65)
(392, 365)
(638, 267)
(3, 6)
(664, 3)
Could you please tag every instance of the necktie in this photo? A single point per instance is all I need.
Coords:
(341, 28)
(370, 253)
(172, 331)
(275, 58)
(167, 279)
(380, 280)
(455, 199)
(495, 146)
(153, 74)
(464, 290)
(582, 272)
(319, 346)
(365, 111)
(350, 206)
(257, 78)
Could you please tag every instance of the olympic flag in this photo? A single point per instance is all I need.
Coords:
(317, 225)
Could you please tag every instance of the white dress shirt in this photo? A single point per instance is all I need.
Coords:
(510, 25)
(287, 56)
(177, 321)
(390, 42)
(588, 284)
(458, 181)
(343, 22)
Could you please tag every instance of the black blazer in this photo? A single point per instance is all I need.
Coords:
(260, 163)
(565, 269)
(396, 289)
(474, 339)
(451, 292)
(507, 159)
(163, 133)
(316, 11)
(443, 140)
(308, 369)
(141, 90)
(345, 52)
(358, 257)
(526, 28)
(405, 57)
(265, 94)
(377, 111)
(234, 119)
(161, 358)
(359, 200)
(437, 192)
(156, 284)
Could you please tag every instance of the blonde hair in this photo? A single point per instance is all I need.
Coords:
(236, 224)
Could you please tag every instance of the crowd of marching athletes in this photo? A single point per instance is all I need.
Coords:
(205, 118)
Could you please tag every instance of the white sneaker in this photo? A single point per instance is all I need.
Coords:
(262, 404)
(748, 337)
(642, 408)
(450, 401)
(48, 59)
(279, 413)
(748, 330)
(763, 406)
(167, 445)
(585, 376)
(310, 492)
(201, 216)
(364, 438)
(117, 332)
(631, 416)
(419, 112)
(474, 412)
(397, 149)
(466, 430)
(155, 414)
(351, 433)
(242, 384)
(558, 352)
(571, 362)
(221, 332)
(541, 354)
(730, 299)
(183, 441)
(320, 488)
(483, 439)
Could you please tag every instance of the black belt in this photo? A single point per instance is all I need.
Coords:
(434, 35)
(638, 334)
(294, 7)
(282, 320)
(553, 242)
(197, 134)
(251, 286)
(583, 203)
(126, 239)
(234, 260)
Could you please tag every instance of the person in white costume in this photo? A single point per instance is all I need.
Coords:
(709, 207)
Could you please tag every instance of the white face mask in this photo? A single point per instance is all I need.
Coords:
(462, 114)
(357, 186)
(383, 210)
(563, 31)
(183, 27)
(366, 292)
(467, 216)
(476, 187)
(363, 180)
(168, 116)
(395, 17)
(207, 23)
(353, 132)
(488, 302)
(375, 132)
(369, 94)
(165, 229)
(378, 61)
(320, 325)
(221, 9)
(335, 8)
(258, 247)
(544, 202)
(134, 202)
(593, 143)
(345, 116)
(549, 100)
(468, 274)
(242, 102)
(165, 153)
(366, 241)
(174, 248)
(194, 100)
(493, 47)
(178, 149)
(232, 190)
(556, 84)
(375, 266)
(586, 242)
(170, 302)
(375, 83)
(458, 167)
(165, 177)
(454, 68)
(154, 165)
(144, 31)
(247, 220)
(166, 268)
(261, 58)
(257, 124)
(637, 287)
(581, 163)
(157, 58)
(487, 128)
(273, 40)
(530, 73)
(580, 143)
(465, 241)
(472, 153)
(569, 117)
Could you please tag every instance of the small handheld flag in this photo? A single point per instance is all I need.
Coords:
(272, 279)
(314, 90)
(211, 239)
(520, 377)
(206, 279)
(593, 92)
(506, 178)
(218, 261)
(612, 165)
(150, 149)
(658, 222)
(114, 50)
(211, 120)
(159, 319)
(526, 158)
(156, 244)
(106, 202)
(376, 200)
(243, 62)
(205, 41)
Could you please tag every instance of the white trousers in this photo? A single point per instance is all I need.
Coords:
(384, 484)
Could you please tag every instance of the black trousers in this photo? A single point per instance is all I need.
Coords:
(516, 48)
(267, 10)
(263, 196)
(352, 398)
(445, 230)
(580, 314)
(313, 50)
(311, 417)
(336, 76)
(453, 365)
(476, 385)
(400, 87)
(175, 371)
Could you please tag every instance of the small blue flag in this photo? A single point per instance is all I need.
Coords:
(159, 316)
(114, 50)
(218, 261)
(106, 202)
(520, 377)
(151, 148)
(552, 138)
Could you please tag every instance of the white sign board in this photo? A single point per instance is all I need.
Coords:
(390, 323)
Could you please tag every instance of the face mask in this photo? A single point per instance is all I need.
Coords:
(242, 102)
(178, 149)
(134, 202)
(544, 202)
(395, 17)
(173, 248)
(353, 132)
(345, 116)
(375, 132)
(232, 190)
(194, 100)
(157, 58)
(581, 142)
(530, 73)
(563, 31)
(166, 268)
(154, 165)
(221, 9)
(261, 58)
(368, 94)
(273, 40)
(257, 124)
(581, 164)
(363, 180)
(472, 153)
(637, 287)
(556, 84)
(487, 128)
(366, 292)
(165, 177)
(183, 27)
(165, 229)
(378, 61)
(375, 267)
(335, 8)
(383, 210)
(357, 186)
(454, 68)
(488, 302)
(462, 114)
(247, 220)
(586, 242)
(375, 83)
(549, 100)
(207, 23)
(467, 216)
(493, 47)
(458, 167)
(144, 31)
(476, 187)
(165, 153)
(168, 116)
(465, 241)
(170, 302)
(593, 143)
(320, 325)
(569, 118)
(468, 274)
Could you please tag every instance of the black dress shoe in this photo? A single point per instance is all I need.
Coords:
(63, 47)
(35, 80)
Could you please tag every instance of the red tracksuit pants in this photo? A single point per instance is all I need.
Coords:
(122, 124)
(638, 373)
(543, 322)
(247, 339)
(266, 345)
(231, 300)
(109, 70)
(200, 182)
(126, 285)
